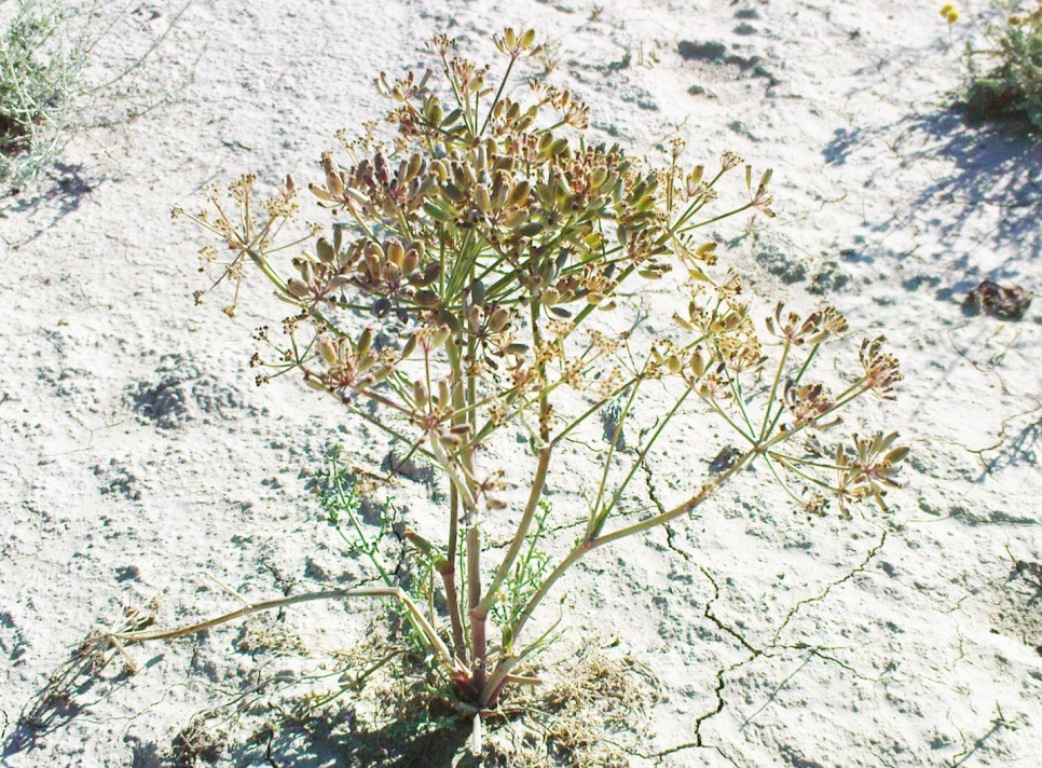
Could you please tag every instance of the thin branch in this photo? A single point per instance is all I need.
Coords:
(268, 605)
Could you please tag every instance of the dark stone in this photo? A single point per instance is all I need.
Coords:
(992, 299)
(709, 51)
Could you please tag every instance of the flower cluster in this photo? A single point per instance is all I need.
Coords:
(868, 467)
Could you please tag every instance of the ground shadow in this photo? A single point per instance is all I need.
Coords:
(62, 700)
(399, 745)
(64, 193)
(994, 165)
(285, 740)
(1022, 449)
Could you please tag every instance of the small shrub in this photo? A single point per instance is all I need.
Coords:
(40, 70)
(485, 243)
(1009, 85)
(46, 96)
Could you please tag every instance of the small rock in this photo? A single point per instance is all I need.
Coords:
(992, 299)
(128, 573)
(710, 51)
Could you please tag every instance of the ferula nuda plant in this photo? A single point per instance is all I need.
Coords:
(487, 243)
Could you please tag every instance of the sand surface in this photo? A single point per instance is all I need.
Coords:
(139, 462)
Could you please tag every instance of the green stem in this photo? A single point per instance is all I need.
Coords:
(636, 465)
(799, 473)
(349, 504)
(730, 422)
(796, 380)
(539, 481)
(781, 480)
(499, 93)
(389, 430)
(463, 106)
(594, 408)
(586, 545)
(481, 607)
(478, 623)
(471, 520)
(704, 493)
(713, 220)
(507, 662)
(774, 390)
(597, 514)
(791, 461)
(448, 575)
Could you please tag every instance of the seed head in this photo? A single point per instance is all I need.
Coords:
(881, 369)
(868, 467)
(808, 403)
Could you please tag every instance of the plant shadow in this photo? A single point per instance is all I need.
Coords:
(997, 165)
(68, 188)
(1021, 450)
(990, 166)
(398, 745)
(60, 702)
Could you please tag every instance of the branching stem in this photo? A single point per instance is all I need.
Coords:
(396, 593)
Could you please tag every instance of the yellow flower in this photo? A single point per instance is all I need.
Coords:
(950, 13)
